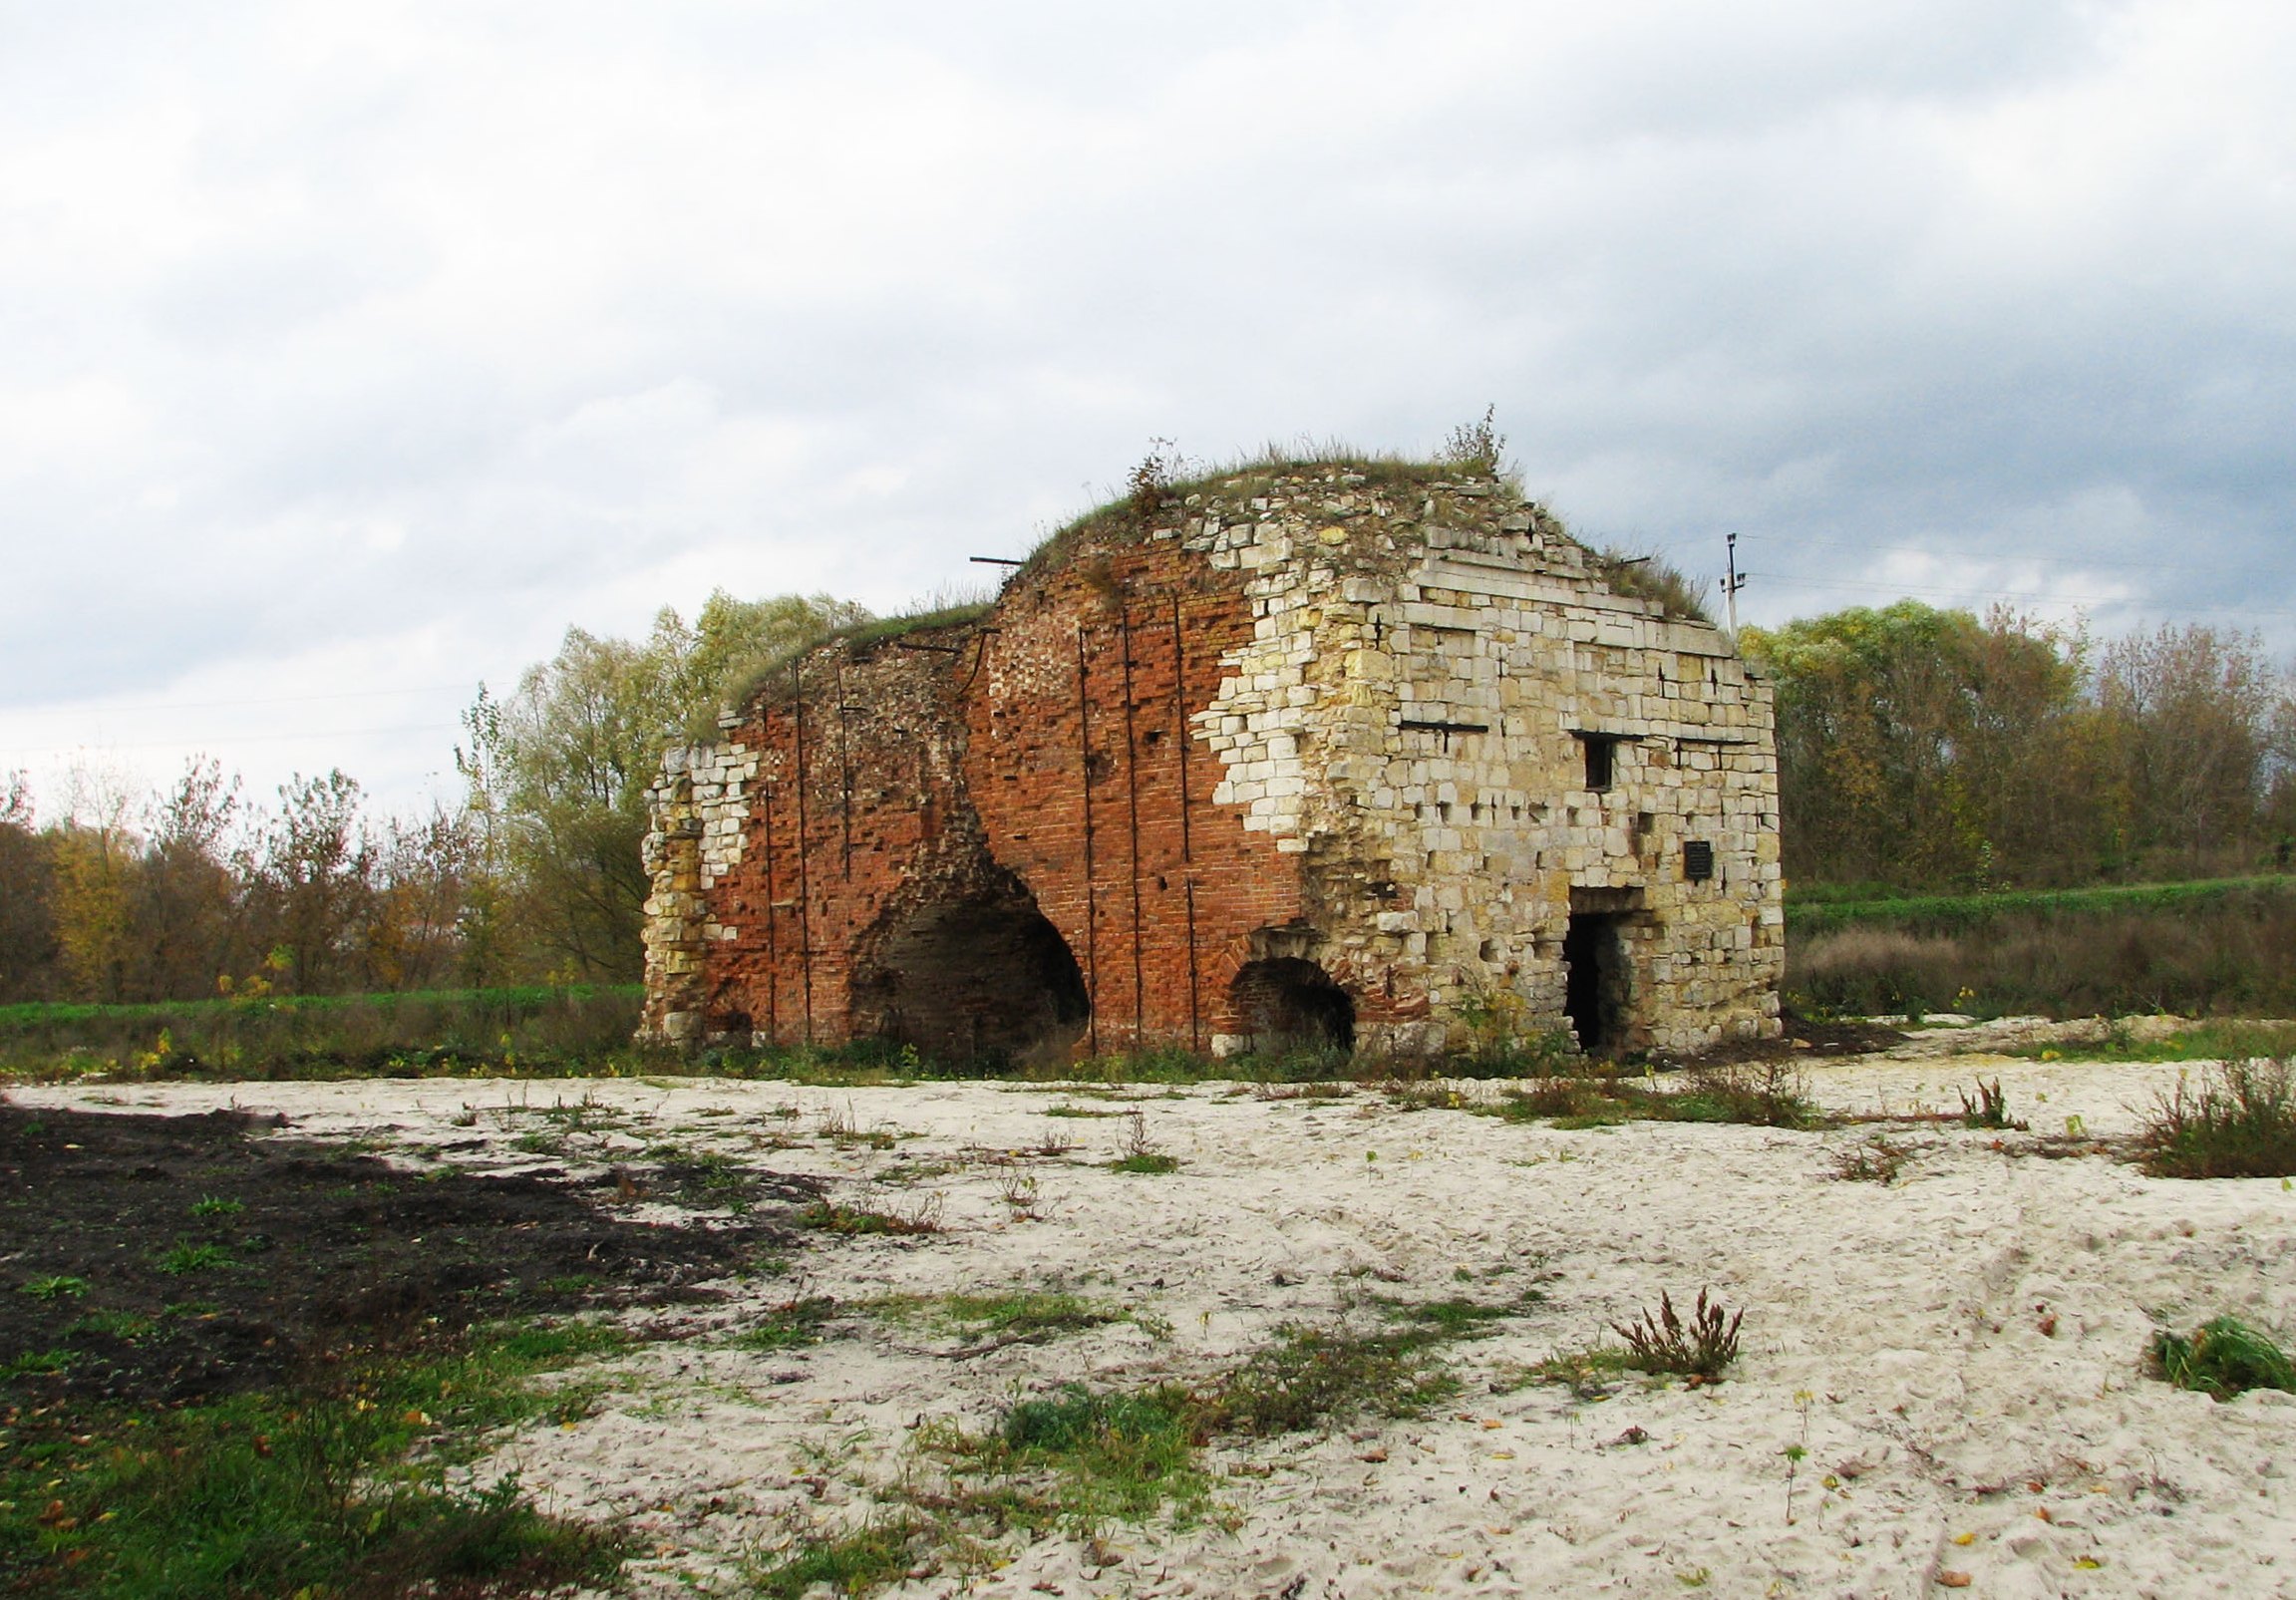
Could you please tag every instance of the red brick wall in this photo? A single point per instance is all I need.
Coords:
(1055, 743)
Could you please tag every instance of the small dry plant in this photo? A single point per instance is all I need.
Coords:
(1138, 1152)
(840, 1129)
(1989, 1110)
(1021, 1194)
(1153, 478)
(1697, 1350)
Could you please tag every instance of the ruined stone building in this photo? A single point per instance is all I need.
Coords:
(1372, 756)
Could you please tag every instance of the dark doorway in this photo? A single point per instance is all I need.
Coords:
(985, 981)
(1289, 1004)
(1595, 980)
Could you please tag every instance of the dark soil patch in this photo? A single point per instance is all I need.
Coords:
(1806, 1038)
(167, 1260)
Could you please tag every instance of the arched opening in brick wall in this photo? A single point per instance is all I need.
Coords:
(983, 980)
(1285, 1003)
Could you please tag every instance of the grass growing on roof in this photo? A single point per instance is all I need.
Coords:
(769, 679)
(1164, 476)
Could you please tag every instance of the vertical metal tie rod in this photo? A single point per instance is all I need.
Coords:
(1179, 734)
(1091, 926)
(1195, 1024)
(1132, 801)
(1186, 841)
(772, 948)
(804, 875)
(845, 771)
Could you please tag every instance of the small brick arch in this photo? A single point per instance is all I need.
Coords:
(1287, 1003)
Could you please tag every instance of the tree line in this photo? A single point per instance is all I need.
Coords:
(1936, 749)
(1918, 747)
(530, 874)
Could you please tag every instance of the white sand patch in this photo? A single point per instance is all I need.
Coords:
(1969, 1340)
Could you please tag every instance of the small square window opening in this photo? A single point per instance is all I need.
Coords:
(1601, 752)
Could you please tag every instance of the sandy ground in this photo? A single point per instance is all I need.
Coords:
(1961, 1349)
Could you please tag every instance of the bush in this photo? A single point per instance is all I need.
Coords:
(2240, 1122)
(2223, 1358)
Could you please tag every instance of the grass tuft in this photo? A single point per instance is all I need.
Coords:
(1313, 1378)
(872, 1556)
(2224, 1357)
(789, 1325)
(1077, 1459)
(924, 1218)
(187, 1257)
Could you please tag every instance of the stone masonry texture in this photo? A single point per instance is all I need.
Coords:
(1303, 756)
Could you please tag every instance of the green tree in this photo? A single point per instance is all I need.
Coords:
(314, 883)
(184, 911)
(30, 965)
(2199, 721)
(1921, 745)
(95, 857)
(556, 774)
(735, 644)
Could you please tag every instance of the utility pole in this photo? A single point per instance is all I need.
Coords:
(1732, 584)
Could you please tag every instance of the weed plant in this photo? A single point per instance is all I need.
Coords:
(2238, 1121)
(1879, 1159)
(1989, 1108)
(1698, 1350)
(1139, 1153)
(2222, 1357)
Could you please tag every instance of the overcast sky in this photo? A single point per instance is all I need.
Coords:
(351, 351)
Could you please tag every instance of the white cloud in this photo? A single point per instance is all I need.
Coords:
(347, 337)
